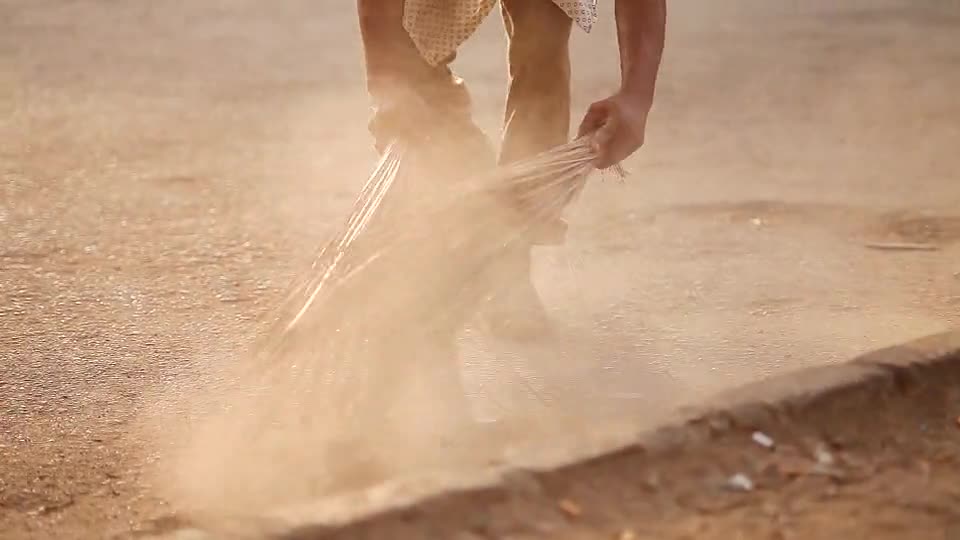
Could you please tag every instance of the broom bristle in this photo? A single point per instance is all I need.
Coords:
(381, 305)
(544, 184)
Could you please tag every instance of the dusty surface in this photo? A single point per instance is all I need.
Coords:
(167, 168)
(864, 450)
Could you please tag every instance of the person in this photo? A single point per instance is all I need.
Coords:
(409, 46)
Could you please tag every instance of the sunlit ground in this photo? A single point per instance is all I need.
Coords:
(167, 169)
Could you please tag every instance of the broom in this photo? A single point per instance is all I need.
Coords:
(368, 334)
(400, 279)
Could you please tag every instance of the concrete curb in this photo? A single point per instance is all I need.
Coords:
(460, 506)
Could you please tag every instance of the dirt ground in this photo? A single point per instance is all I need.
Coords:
(167, 168)
(878, 459)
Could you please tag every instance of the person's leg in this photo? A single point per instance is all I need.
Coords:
(537, 118)
(426, 107)
(537, 114)
(411, 99)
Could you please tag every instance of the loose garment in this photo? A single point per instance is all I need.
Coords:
(439, 27)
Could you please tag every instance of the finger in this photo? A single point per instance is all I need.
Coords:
(590, 124)
(604, 137)
(593, 119)
(606, 130)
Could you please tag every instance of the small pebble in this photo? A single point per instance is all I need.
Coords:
(740, 482)
(652, 482)
(823, 456)
(570, 508)
(762, 439)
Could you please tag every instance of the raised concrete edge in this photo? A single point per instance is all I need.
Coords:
(746, 406)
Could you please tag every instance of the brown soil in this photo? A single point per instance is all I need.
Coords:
(877, 456)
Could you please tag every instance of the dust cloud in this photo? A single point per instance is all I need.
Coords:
(731, 255)
(358, 379)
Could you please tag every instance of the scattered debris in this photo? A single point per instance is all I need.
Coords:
(763, 439)
(54, 507)
(740, 482)
(791, 467)
(652, 481)
(902, 246)
(570, 508)
(770, 509)
(823, 456)
(832, 472)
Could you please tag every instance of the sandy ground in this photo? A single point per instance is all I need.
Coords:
(167, 168)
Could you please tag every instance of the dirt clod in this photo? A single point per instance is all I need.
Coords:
(570, 508)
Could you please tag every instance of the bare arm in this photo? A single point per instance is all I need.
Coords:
(618, 123)
(641, 28)
(381, 29)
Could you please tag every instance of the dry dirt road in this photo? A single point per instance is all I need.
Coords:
(167, 167)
